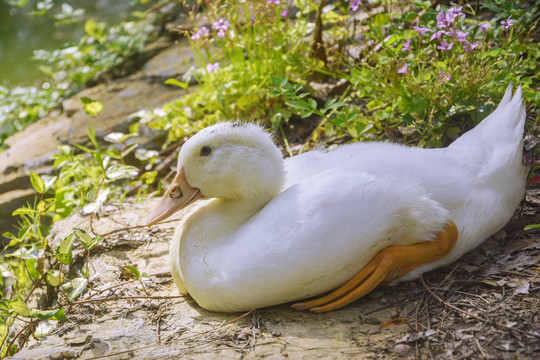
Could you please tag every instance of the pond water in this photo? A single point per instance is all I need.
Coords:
(22, 33)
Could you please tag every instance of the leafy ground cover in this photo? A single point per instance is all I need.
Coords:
(70, 68)
(416, 72)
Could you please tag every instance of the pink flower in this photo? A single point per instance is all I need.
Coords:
(221, 24)
(461, 36)
(284, 13)
(484, 26)
(212, 67)
(201, 33)
(443, 77)
(506, 24)
(457, 34)
(445, 19)
(354, 4)
(454, 12)
(404, 69)
(445, 45)
(406, 46)
(470, 46)
(421, 30)
(275, 2)
(438, 35)
(441, 20)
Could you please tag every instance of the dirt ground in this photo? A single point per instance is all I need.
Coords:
(486, 305)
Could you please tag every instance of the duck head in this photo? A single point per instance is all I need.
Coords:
(232, 161)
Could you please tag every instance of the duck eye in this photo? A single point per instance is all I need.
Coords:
(175, 192)
(205, 150)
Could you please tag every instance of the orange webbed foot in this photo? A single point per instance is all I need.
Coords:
(387, 265)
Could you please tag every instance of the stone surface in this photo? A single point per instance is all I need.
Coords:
(31, 149)
(179, 328)
(171, 63)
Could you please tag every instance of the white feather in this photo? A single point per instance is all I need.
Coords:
(283, 230)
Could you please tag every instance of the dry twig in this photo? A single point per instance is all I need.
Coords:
(508, 328)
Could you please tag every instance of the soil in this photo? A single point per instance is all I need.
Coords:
(486, 305)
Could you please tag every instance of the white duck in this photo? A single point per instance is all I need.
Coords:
(280, 230)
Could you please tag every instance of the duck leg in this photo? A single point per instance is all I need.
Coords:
(389, 264)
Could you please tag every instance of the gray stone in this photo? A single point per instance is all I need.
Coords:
(130, 329)
(31, 149)
(171, 63)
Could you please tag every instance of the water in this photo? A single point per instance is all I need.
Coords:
(21, 34)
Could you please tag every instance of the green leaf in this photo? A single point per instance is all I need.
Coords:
(91, 132)
(47, 70)
(31, 266)
(84, 148)
(83, 237)
(91, 107)
(276, 81)
(49, 181)
(335, 105)
(298, 105)
(99, 159)
(63, 251)
(86, 240)
(119, 171)
(54, 277)
(46, 205)
(329, 103)
(180, 84)
(90, 27)
(97, 239)
(532, 226)
(149, 177)
(19, 307)
(381, 19)
(95, 30)
(131, 272)
(306, 114)
(5, 324)
(37, 182)
(23, 211)
(75, 287)
(54, 314)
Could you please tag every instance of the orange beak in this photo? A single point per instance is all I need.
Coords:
(179, 195)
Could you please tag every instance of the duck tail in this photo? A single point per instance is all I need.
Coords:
(498, 140)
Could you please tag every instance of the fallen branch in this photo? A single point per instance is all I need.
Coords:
(508, 328)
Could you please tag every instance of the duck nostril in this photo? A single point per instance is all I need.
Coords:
(175, 192)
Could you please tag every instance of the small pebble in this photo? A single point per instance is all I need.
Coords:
(57, 356)
(401, 348)
(374, 295)
(372, 321)
(69, 354)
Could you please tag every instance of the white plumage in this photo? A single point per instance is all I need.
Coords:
(283, 230)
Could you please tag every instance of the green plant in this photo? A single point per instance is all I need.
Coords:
(426, 80)
(334, 111)
(85, 182)
(69, 68)
(248, 42)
